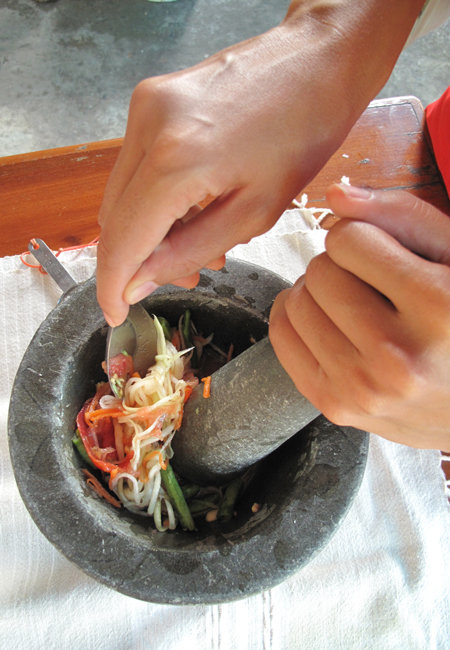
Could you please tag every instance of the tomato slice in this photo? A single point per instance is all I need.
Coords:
(120, 368)
(100, 438)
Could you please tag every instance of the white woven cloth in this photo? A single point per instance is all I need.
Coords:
(382, 582)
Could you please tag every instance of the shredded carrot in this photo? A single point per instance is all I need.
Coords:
(230, 352)
(91, 416)
(179, 421)
(101, 491)
(112, 476)
(207, 386)
(187, 393)
(152, 454)
(136, 375)
(151, 414)
(176, 340)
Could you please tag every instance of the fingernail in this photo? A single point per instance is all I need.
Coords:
(355, 192)
(140, 292)
(113, 322)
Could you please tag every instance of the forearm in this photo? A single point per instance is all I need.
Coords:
(250, 126)
(365, 36)
(352, 47)
(321, 66)
(358, 42)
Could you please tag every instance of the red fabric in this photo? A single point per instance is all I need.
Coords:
(438, 121)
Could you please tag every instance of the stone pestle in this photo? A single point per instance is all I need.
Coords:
(253, 408)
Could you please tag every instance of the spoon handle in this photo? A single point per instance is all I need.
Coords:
(51, 265)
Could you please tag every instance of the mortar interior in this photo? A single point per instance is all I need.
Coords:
(230, 323)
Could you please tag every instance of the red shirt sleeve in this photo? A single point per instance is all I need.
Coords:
(438, 121)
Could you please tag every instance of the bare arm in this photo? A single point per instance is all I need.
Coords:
(251, 126)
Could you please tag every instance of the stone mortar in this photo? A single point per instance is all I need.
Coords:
(304, 488)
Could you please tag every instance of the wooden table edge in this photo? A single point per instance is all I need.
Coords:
(57, 152)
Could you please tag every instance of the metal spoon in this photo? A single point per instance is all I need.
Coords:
(136, 336)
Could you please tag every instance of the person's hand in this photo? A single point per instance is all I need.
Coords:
(249, 127)
(365, 333)
(233, 128)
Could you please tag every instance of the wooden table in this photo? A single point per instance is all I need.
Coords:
(56, 194)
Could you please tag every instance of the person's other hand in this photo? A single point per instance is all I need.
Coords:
(365, 333)
(248, 127)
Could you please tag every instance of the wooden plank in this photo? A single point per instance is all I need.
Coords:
(56, 194)
(386, 150)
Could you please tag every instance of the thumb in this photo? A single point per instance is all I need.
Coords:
(417, 225)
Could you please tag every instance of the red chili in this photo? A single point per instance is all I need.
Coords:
(87, 435)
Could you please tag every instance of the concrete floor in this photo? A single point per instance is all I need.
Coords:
(68, 68)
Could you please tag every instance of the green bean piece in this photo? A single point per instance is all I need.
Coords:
(187, 335)
(81, 449)
(190, 490)
(208, 502)
(226, 509)
(177, 499)
(166, 328)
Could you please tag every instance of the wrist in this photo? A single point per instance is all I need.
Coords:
(361, 39)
